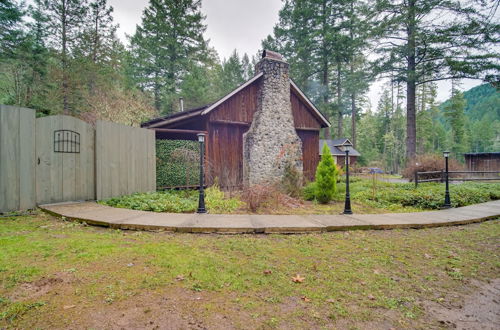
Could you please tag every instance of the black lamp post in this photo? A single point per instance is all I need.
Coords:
(201, 198)
(347, 207)
(447, 203)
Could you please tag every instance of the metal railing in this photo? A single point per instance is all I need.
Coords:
(470, 176)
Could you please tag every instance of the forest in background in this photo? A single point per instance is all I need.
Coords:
(63, 56)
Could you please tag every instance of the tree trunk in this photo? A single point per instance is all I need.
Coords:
(339, 101)
(351, 68)
(157, 93)
(64, 58)
(411, 126)
(353, 124)
(325, 67)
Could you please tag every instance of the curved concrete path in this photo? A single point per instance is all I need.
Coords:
(96, 214)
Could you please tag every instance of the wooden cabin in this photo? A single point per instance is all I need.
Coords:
(226, 121)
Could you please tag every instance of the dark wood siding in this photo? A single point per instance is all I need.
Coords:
(240, 107)
(483, 162)
(310, 156)
(225, 154)
(302, 116)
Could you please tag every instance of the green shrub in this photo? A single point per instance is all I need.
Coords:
(176, 201)
(426, 196)
(216, 201)
(309, 191)
(326, 177)
(177, 163)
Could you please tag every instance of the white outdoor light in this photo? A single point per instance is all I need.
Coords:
(446, 154)
(346, 147)
(201, 137)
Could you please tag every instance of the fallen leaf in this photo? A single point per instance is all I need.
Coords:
(305, 299)
(179, 278)
(376, 271)
(427, 256)
(268, 272)
(69, 306)
(371, 297)
(363, 283)
(298, 279)
(331, 301)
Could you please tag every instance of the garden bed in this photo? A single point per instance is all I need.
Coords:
(367, 196)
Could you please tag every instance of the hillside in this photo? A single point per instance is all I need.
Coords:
(483, 100)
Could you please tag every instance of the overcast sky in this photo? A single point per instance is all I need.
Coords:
(240, 25)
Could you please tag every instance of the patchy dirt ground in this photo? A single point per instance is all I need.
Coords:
(479, 308)
(60, 275)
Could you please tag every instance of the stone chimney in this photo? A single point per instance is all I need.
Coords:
(271, 142)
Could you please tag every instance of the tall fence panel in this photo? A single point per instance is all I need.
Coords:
(65, 159)
(125, 160)
(61, 158)
(17, 154)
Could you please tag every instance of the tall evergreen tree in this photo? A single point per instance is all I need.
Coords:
(169, 38)
(10, 26)
(454, 114)
(233, 73)
(323, 41)
(430, 40)
(65, 23)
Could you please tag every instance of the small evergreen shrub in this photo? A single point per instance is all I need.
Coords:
(326, 177)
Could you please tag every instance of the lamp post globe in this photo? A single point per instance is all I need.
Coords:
(201, 197)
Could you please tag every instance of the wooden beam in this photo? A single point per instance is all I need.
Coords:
(177, 130)
(314, 129)
(230, 122)
(175, 119)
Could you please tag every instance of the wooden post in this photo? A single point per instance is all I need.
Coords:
(416, 179)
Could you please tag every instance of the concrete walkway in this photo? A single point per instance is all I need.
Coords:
(96, 214)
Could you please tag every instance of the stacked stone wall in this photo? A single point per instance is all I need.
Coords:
(271, 142)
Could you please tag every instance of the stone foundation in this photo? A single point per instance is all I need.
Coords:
(271, 142)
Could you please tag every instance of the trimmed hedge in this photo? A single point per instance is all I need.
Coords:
(177, 163)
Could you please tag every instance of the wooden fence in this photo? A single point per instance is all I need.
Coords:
(125, 160)
(17, 158)
(440, 176)
(61, 158)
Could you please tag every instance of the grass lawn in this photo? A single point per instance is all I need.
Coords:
(57, 274)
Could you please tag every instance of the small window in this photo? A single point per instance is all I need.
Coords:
(66, 141)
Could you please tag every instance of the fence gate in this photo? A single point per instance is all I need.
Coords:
(64, 159)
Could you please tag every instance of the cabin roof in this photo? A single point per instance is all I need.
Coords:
(334, 147)
(203, 110)
(481, 154)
